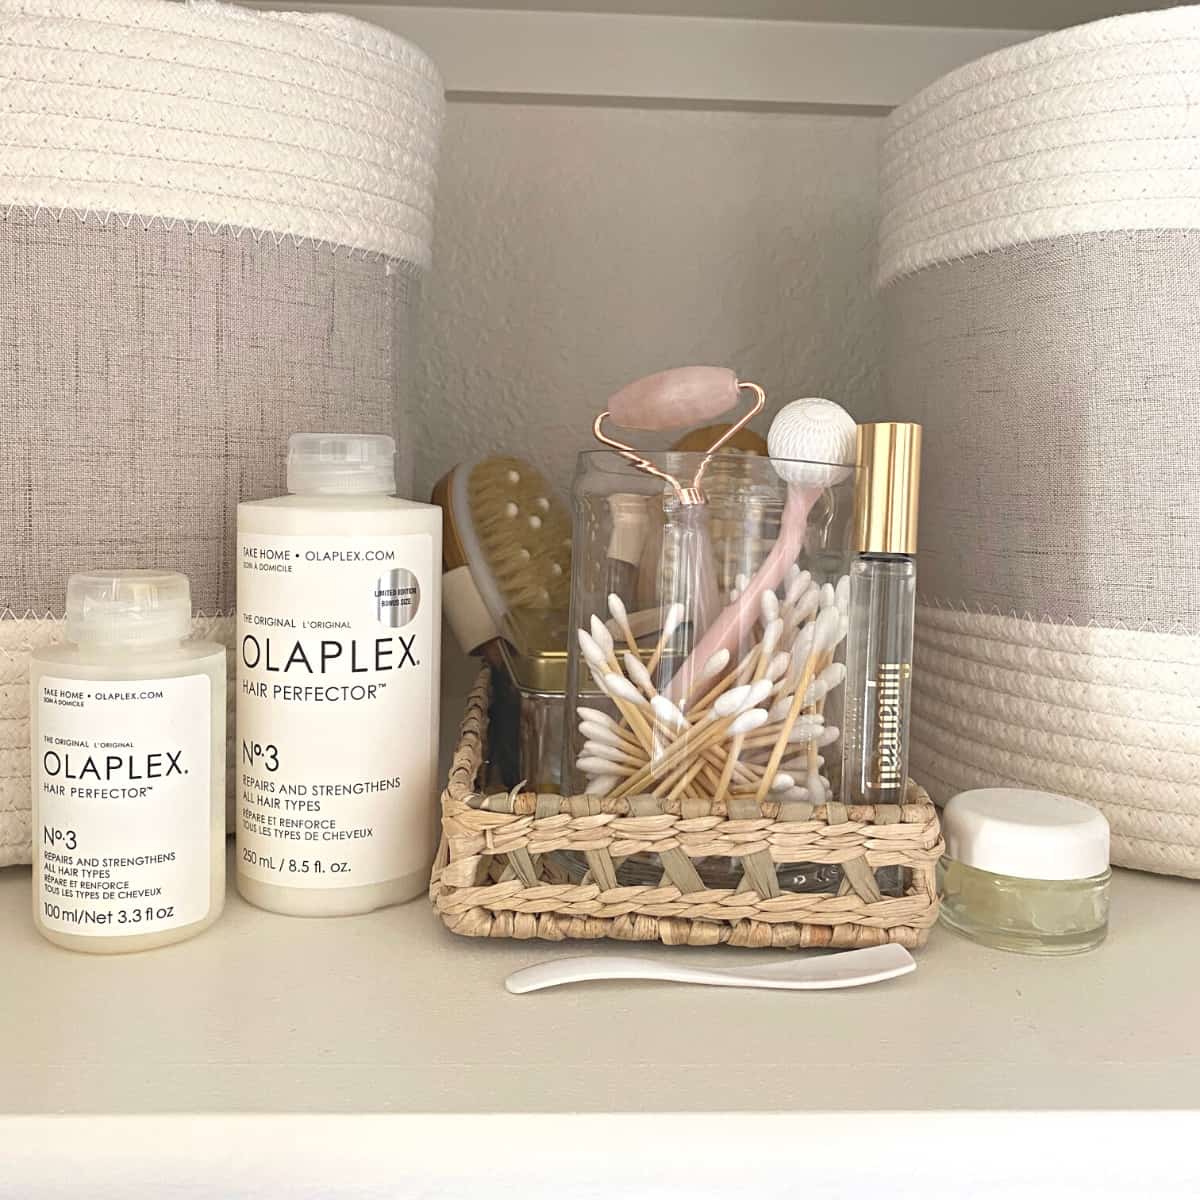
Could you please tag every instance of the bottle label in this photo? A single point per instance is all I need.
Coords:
(889, 693)
(123, 771)
(336, 758)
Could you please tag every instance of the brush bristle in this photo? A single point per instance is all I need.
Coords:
(524, 531)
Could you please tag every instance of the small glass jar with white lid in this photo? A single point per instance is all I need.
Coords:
(1025, 870)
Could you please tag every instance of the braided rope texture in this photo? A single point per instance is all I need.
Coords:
(491, 878)
(1089, 130)
(313, 125)
(19, 638)
(1110, 716)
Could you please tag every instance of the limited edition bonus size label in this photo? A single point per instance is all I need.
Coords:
(335, 695)
(123, 775)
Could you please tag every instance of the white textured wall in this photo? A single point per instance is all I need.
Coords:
(581, 246)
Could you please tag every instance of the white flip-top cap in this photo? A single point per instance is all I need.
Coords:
(111, 608)
(341, 464)
(1026, 834)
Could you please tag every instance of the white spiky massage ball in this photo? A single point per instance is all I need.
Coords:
(815, 432)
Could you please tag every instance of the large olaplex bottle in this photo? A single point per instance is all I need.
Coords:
(883, 590)
(128, 738)
(339, 621)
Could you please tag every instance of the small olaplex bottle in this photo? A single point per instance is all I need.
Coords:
(128, 747)
(883, 589)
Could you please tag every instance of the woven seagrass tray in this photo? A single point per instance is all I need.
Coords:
(497, 873)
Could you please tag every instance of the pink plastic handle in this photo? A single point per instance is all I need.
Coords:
(730, 630)
(675, 399)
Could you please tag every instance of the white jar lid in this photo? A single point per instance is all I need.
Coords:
(1027, 834)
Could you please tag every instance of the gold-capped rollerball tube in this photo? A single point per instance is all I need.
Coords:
(883, 589)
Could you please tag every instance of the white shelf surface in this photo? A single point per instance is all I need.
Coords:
(392, 1021)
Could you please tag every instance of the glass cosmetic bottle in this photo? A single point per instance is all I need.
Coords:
(883, 590)
(128, 742)
(339, 628)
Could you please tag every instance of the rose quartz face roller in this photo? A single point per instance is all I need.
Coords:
(678, 399)
(811, 445)
(670, 400)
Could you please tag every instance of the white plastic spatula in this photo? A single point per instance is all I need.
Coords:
(852, 968)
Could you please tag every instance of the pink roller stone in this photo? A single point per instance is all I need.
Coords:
(675, 399)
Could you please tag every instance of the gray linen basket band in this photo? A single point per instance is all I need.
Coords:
(1059, 384)
(213, 227)
(155, 375)
(1039, 258)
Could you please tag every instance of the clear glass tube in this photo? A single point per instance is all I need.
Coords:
(878, 688)
(687, 575)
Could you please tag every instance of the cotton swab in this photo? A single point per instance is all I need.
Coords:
(638, 674)
(755, 694)
(595, 714)
(671, 622)
(778, 666)
(769, 607)
(667, 713)
(592, 653)
(621, 689)
(615, 685)
(747, 721)
(797, 582)
(603, 639)
(615, 754)
(618, 612)
(732, 741)
(611, 734)
(825, 630)
(739, 699)
(598, 766)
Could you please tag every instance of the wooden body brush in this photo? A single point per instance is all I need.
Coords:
(506, 556)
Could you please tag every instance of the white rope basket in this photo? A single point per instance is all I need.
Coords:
(1108, 715)
(1091, 129)
(315, 126)
(1040, 266)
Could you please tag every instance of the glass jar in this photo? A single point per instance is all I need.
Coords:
(658, 702)
(1025, 871)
